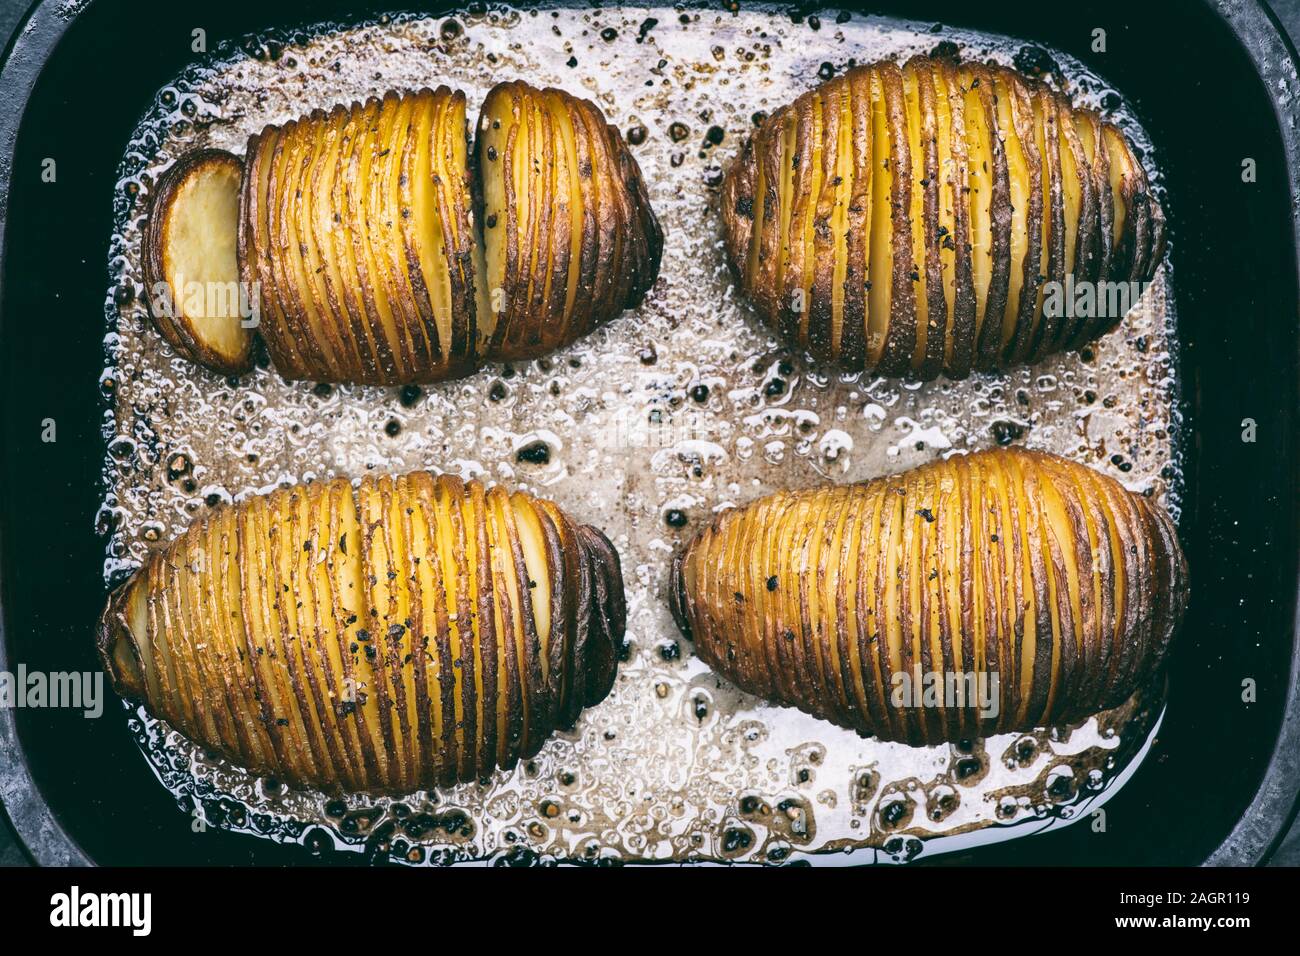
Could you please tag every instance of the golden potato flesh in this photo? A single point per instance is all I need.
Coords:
(190, 264)
(569, 237)
(1042, 589)
(357, 226)
(409, 633)
(907, 220)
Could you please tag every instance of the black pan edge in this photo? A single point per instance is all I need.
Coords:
(1267, 820)
(38, 831)
(1255, 836)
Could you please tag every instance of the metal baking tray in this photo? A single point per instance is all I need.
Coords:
(1219, 779)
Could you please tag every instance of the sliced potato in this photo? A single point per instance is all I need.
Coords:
(912, 220)
(569, 238)
(409, 633)
(283, 255)
(374, 158)
(191, 267)
(255, 243)
(1046, 587)
(1026, 175)
(357, 234)
(367, 242)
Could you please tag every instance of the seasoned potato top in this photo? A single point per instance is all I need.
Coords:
(413, 632)
(907, 220)
(569, 235)
(1028, 578)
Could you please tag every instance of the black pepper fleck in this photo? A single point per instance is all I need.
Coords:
(534, 453)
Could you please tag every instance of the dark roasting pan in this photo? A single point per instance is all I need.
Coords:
(1214, 83)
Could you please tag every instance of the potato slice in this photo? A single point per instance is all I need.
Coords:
(911, 222)
(494, 148)
(386, 233)
(806, 173)
(1083, 223)
(741, 193)
(821, 248)
(998, 197)
(1133, 204)
(308, 266)
(918, 229)
(312, 315)
(852, 339)
(1048, 142)
(880, 256)
(956, 238)
(772, 155)
(380, 336)
(589, 126)
(285, 257)
(409, 633)
(375, 158)
(326, 229)
(454, 228)
(191, 268)
(515, 196)
(1024, 176)
(1052, 584)
(980, 172)
(565, 258)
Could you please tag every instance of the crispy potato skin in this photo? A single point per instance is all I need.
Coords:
(1008, 563)
(905, 220)
(366, 231)
(409, 633)
(168, 203)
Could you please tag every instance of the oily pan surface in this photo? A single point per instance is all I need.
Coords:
(645, 428)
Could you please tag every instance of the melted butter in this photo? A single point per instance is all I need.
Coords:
(675, 764)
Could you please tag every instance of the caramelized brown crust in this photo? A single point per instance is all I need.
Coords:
(408, 633)
(1010, 564)
(907, 220)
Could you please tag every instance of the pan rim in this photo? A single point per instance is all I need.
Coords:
(1262, 826)
(1268, 818)
(39, 832)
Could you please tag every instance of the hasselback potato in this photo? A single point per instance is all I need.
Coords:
(1052, 586)
(569, 235)
(356, 226)
(906, 220)
(377, 249)
(412, 632)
